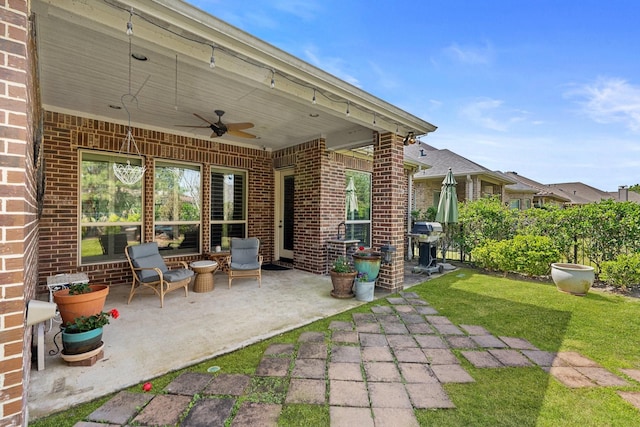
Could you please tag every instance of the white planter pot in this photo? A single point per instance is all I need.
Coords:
(365, 290)
(575, 279)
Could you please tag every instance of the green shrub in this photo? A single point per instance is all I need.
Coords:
(530, 255)
(624, 271)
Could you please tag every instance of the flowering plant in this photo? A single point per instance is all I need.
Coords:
(363, 277)
(341, 265)
(89, 323)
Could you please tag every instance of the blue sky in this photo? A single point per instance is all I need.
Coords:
(547, 88)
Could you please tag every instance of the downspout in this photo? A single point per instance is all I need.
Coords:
(409, 254)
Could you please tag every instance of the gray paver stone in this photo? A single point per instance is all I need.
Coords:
(482, 359)
(475, 330)
(164, 409)
(253, 414)
(417, 373)
(602, 377)
(373, 340)
(189, 383)
(632, 397)
(389, 395)
(279, 350)
(510, 358)
(92, 424)
(417, 302)
(438, 320)
(400, 341)
(121, 407)
(632, 373)
(311, 337)
(376, 354)
(430, 341)
(488, 341)
(381, 372)
(306, 391)
(394, 417)
(347, 354)
(209, 413)
(426, 310)
(380, 309)
(448, 330)
(461, 342)
(395, 328)
(543, 358)
(312, 351)
(451, 374)
(429, 396)
(388, 318)
(348, 393)
(396, 301)
(403, 309)
(373, 328)
(273, 367)
(345, 371)
(349, 337)
(420, 328)
(440, 356)
(228, 384)
(570, 377)
(341, 326)
(309, 368)
(412, 318)
(350, 417)
(518, 343)
(410, 355)
(360, 318)
(576, 359)
(409, 295)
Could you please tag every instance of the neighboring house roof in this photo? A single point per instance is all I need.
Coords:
(518, 187)
(620, 195)
(441, 160)
(543, 190)
(580, 193)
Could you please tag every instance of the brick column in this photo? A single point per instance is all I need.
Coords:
(389, 194)
(18, 208)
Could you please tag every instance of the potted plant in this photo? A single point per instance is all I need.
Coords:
(365, 287)
(368, 262)
(342, 275)
(80, 299)
(575, 279)
(84, 334)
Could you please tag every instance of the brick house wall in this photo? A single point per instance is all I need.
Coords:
(65, 134)
(18, 207)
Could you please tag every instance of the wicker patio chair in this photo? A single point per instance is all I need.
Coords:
(150, 270)
(244, 260)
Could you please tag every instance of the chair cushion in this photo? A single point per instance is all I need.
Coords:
(172, 276)
(147, 255)
(244, 254)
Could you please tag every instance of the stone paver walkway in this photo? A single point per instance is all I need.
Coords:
(372, 371)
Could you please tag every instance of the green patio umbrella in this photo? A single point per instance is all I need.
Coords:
(447, 208)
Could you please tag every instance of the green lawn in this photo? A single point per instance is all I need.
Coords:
(600, 326)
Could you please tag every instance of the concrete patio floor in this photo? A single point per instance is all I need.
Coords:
(147, 341)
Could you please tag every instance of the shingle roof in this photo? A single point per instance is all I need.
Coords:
(581, 193)
(543, 189)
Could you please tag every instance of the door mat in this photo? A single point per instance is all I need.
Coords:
(274, 267)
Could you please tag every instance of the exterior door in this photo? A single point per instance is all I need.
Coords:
(284, 226)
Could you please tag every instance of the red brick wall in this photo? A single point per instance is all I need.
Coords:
(65, 134)
(18, 207)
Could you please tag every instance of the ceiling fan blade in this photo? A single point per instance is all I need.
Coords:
(240, 134)
(202, 118)
(239, 126)
(214, 135)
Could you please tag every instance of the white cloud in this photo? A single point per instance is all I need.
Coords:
(306, 10)
(470, 55)
(492, 114)
(332, 65)
(610, 100)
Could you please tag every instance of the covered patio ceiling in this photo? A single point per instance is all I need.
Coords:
(85, 70)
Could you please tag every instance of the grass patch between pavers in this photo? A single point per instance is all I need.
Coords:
(600, 326)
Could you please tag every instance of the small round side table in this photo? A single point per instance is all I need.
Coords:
(204, 275)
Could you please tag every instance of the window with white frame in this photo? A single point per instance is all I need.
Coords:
(228, 207)
(358, 206)
(110, 211)
(177, 207)
(514, 204)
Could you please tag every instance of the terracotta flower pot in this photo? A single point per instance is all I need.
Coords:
(74, 306)
(342, 284)
(575, 279)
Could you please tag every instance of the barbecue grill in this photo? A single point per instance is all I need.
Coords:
(427, 235)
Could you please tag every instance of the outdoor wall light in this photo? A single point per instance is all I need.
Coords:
(387, 252)
(409, 139)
